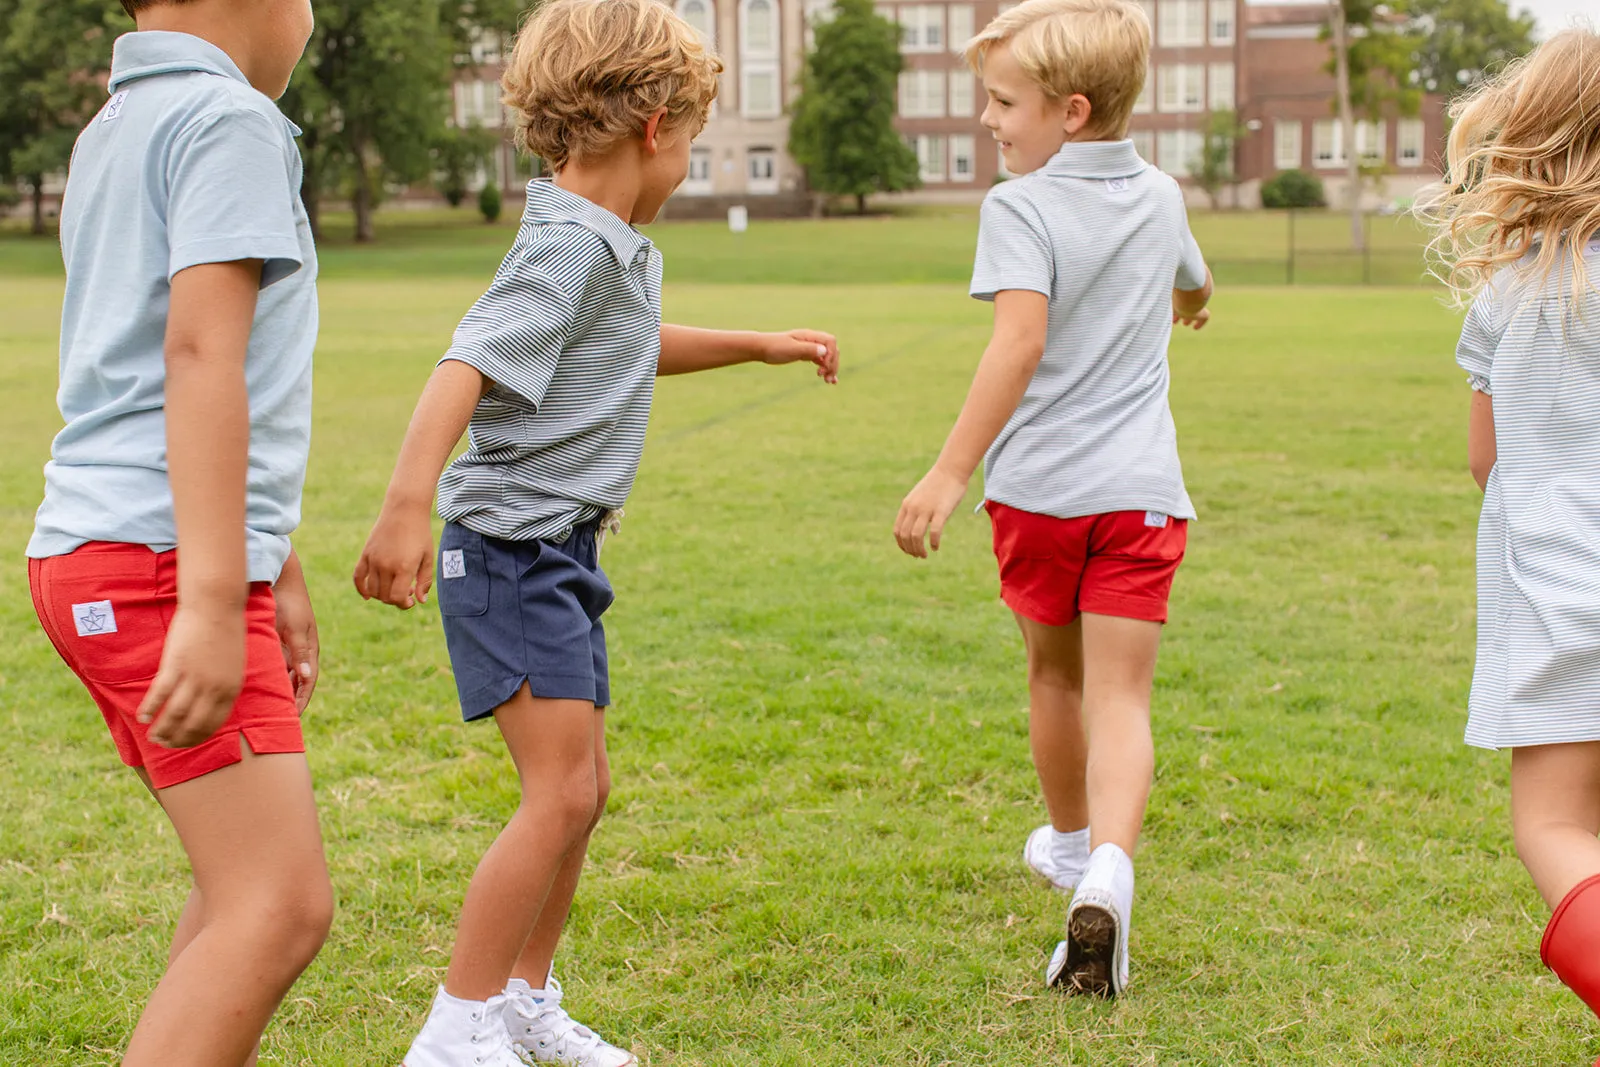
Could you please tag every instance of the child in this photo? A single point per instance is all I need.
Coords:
(1069, 412)
(189, 320)
(1519, 228)
(552, 373)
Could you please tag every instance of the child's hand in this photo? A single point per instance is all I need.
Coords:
(925, 510)
(202, 671)
(811, 346)
(1197, 320)
(396, 567)
(297, 632)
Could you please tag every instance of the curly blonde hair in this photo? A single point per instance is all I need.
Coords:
(1099, 48)
(1522, 172)
(587, 74)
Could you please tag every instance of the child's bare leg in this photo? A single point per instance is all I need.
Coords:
(190, 923)
(533, 966)
(1119, 657)
(1555, 814)
(1055, 721)
(260, 912)
(552, 745)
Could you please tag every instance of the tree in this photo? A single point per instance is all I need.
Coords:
(1214, 169)
(373, 93)
(457, 155)
(1459, 42)
(842, 130)
(54, 57)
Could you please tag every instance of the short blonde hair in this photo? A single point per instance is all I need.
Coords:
(586, 75)
(1522, 169)
(1097, 48)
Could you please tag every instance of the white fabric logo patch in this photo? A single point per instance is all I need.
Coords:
(113, 109)
(1116, 185)
(94, 619)
(1156, 519)
(455, 563)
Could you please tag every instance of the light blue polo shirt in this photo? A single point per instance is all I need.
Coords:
(186, 164)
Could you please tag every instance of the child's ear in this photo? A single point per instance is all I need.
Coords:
(1077, 116)
(652, 131)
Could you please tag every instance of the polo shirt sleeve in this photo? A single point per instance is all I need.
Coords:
(231, 195)
(1479, 339)
(515, 334)
(1013, 250)
(1191, 263)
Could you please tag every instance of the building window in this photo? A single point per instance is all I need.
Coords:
(922, 28)
(1182, 87)
(960, 26)
(1147, 94)
(1372, 142)
(478, 104)
(963, 161)
(1222, 16)
(760, 28)
(961, 94)
(816, 13)
(1176, 150)
(698, 183)
(702, 16)
(884, 11)
(761, 92)
(1408, 137)
(487, 47)
(922, 94)
(1182, 23)
(1286, 150)
(761, 170)
(930, 156)
(1327, 143)
(1221, 87)
(1144, 143)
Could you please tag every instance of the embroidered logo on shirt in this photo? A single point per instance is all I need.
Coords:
(1116, 185)
(113, 109)
(1156, 519)
(455, 563)
(94, 619)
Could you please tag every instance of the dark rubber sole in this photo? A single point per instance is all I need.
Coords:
(1091, 953)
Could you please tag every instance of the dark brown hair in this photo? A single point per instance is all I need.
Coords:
(133, 7)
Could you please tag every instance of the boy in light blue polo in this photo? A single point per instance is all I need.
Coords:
(1089, 262)
(160, 561)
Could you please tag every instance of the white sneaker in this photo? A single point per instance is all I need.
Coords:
(1059, 858)
(543, 1032)
(463, 1033)
(1094, 957)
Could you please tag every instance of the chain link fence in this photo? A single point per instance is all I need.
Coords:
(1305, 247)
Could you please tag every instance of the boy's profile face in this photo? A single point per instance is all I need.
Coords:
(283, 30)
(664, 171)
(1030, 126)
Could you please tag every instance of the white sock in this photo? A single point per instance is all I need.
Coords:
(1070, 849)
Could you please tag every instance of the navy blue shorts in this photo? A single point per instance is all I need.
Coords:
(523, 611)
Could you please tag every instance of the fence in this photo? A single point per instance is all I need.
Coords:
(1306, 247)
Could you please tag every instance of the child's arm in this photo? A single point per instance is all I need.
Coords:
(1481, 449)
(1189, 305)
(685, 349)
(210, 313)
(297, 629)
(396, 566)
(1020, 321)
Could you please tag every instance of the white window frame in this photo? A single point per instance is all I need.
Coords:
(1288, 144)
(960, 27)
(1224, 16)
(698, 182)
(756, 50)
(922, 94)
(963, 149)
(922, 28)
(1329, 133)
(749, 106)
(709, 33)
(478, 104)
(1146, 103)
(963, 94)
(1372, 141)
(1177, 149)
(1182, 23)
(931, 150)
(1220, 80)
(761, 171)
(1410, 139)
(1181, 88)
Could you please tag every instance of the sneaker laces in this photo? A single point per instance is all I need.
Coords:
(489, 1032)
(543, 1019)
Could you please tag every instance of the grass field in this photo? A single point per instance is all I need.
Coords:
(812, 854)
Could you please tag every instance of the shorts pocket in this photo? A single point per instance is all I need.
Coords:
(111, 632)
(463, 581)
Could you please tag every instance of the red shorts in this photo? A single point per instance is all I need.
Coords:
(107, 607)
(1121, 563)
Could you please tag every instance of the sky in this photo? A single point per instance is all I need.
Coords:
(1557, 14)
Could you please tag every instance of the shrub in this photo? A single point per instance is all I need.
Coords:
(489, 202)
(1292, 188)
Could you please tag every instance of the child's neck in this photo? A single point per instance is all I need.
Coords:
(232, 34)
(609, 182)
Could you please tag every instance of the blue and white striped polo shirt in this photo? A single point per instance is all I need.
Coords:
(1105, 236)
(570, 334)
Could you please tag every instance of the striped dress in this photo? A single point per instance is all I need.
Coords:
(1527, 343)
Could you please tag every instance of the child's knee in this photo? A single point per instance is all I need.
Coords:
(573, 804)
(602, 794)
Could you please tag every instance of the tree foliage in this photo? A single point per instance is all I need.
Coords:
(1214, 169)
(843, 131)
(1459, 42)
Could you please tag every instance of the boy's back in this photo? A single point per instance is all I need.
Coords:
(1103, 235)
(186, 164)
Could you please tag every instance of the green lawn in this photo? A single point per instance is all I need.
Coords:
(812, 854)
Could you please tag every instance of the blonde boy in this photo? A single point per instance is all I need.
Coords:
(1089, 262)
(552, 371)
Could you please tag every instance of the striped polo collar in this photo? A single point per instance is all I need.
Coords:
(548, 202)
(1096, 159)
(144, 53)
